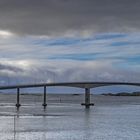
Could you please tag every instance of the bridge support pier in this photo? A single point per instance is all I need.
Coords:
(87, 103)
(18, 97)
(44, 98)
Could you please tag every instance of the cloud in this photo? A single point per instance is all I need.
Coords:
(71, 59)
(21, 71)
(3, 67)
(5, 34)
(64, 71)
(69, 17)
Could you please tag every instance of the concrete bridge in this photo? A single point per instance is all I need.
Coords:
(85, 85)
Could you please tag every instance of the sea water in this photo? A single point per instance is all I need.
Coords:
(112, 118)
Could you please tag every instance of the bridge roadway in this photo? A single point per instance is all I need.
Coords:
(86, 85)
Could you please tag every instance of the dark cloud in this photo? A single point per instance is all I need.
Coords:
(9, 68)
(57, 17)
(18, 74)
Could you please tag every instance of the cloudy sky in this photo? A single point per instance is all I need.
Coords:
(69, 40)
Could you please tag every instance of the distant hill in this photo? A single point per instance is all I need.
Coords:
(122, 94)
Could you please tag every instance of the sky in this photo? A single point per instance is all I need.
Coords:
(69, 41)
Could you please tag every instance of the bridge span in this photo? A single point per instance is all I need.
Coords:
(85, 85)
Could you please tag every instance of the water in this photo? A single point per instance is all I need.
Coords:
(112, 118)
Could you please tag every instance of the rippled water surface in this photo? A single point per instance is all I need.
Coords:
(112, 118)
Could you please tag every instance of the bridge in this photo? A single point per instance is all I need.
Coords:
(85, 85)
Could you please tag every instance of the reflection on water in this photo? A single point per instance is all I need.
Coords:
(109, 120)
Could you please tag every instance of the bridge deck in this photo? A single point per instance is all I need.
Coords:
(70, 84)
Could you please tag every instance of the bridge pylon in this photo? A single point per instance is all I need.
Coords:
(87, 103)
(44, 98)
(18, 98)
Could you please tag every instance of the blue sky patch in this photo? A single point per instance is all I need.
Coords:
(125, 43)
(81, 57)
(109, 36)
(76, 40)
